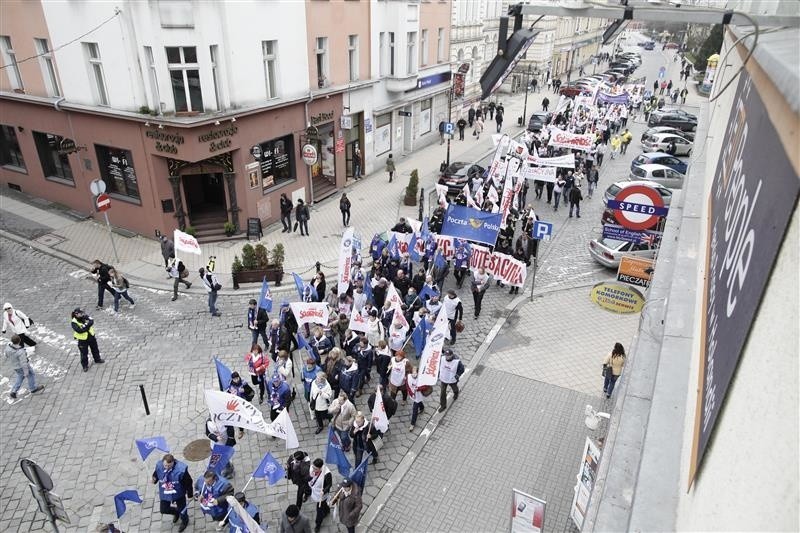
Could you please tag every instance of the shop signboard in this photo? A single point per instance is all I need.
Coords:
(617, 298)
(527, 513)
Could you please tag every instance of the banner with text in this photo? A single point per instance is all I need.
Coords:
(539, 173)
(471, 224)
(574, 141)
(503, 267)
(345, 260)
(310, 313)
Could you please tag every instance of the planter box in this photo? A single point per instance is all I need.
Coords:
(273, 274)
(410, 200)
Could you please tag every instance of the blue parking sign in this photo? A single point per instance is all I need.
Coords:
(542, 230)
(449, 128)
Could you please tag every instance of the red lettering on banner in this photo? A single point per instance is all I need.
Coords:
(402, 247)
(433, 363)
(346, 273)
(311, 312)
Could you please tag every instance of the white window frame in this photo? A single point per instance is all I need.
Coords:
(353, 56)
(322, 63)
(270, 61)
(152, 74)
(48, 67)
(213, 52)
(382, 53)
(440, 47)
(95, 64)
(10, 59)
(391, 54)
(423, 48)
(184, 68)
(411, 52)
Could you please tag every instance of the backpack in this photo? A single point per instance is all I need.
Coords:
(214, 286)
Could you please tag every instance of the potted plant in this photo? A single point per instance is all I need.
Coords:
(230, 228)
(256, 263)
(274, 270)
(190, 230)
(412, 189)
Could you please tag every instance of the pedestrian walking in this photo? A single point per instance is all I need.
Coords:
(212, 491)
(348, 500)
(100, 272)
(450, 370)
(545, 103)
(616, 142)
(417, 394)
(600, 154)
(471, 115)
(455, 312)
(575, 197)
(491, 110)
(535, 85)
(499, 119)
(280, 396)
(591, 181)
(257, 365)
(120, 286)
(612, 368)
(461, 124)
(17, 358)
(478, 128)
(292, 521)
(213, 287)
(390, 167)
(557, 190)
(177, 271)
(235, 522)
(257, 320)
(683, 94)
(83, 332)
(399, 369)
(662, 87)
(19, 323)
(309, 374)
(344, 414)
(298, 471)
(174, 487)
(320, 483)
(320, 397)
(480, 282)
(655, 86)
(301, 217)
(626, 139)
(344, 207)
(357, 163)
(167, 249)
(286, 213)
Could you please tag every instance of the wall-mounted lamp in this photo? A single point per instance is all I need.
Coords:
(161, 126)
(146, 124)
(233, 119)
(216, 122)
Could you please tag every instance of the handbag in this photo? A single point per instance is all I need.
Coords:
(606, 370)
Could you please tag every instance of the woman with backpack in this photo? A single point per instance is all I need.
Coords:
(612, 368)
(120, 286)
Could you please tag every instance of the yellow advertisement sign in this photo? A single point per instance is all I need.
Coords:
(617, 297)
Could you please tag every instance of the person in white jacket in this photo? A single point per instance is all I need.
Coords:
(397, 336)
(321, 395)
(283, 367)
(19, 323)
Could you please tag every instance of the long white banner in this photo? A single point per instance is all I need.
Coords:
(503, 267)
(310, 312)
(230, 410)
(563, 161)
(564, 139)
(428, 371)
(539, 173)
(345, 259)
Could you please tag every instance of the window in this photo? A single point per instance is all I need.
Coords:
(54, 163)
(440, 47)
(213, 50)
(411, 52)
(277, 163)
(10, 59)
(96, 73)
(155, 96)
(391, 53)
(412, 12)
(423, 48)
(425, 116)
(322, 61)
(116, 169)
(352, 56)
(269, 51)
(383, 133)
(185, 78)
(48, 68)
(10, 153)
(382, 54)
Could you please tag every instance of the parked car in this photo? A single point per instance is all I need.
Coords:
(672, 46)
(574, 89)
(609, 252)
(609, 217)
(659, 142)
(650, 45)
(688, 135)
(457, 175)
(665, 176)
(673, 117)
(660, 158)
(538, 121)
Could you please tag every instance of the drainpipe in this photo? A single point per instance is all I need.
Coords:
(57, 103)
(308, 124)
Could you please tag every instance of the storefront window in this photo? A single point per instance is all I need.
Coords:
(116, 169)
(54, 163)
(425, 116)
(326, 148)
(277, 162)
(10, 153)
(383, 133)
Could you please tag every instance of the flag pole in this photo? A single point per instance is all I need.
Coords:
(222, 522)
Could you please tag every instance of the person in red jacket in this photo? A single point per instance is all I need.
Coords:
(257, 365)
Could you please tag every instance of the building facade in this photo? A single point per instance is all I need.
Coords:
(575, 43)
(468, 50)
(195, 114)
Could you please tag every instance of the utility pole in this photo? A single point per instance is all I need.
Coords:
(449, 117)
(525, 107)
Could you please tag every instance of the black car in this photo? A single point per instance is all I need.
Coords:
(673, 117)
(538, 121)
(457, 175)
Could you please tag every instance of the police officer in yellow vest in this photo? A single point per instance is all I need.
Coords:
(83, 332)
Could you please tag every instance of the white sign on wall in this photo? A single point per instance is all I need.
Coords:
(383, 141)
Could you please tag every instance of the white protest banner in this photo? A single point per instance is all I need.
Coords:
(345, 262)
(379, 419)
(415, 224)
(504, 268)
(403, 240)
(230, 410)
(508, 196)
(428, 371)
(563, 161)
(251, 525)
(283, 428)
(574, 141)
(444, 245)
(563, 103)
(441, 191)
(468, 194)
(358, 322)
(185, 242)
(539, 173)
(310, 312)
(393, 297)
(518, 149)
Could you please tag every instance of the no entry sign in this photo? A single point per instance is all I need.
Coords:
(638, 207)
(103, 202)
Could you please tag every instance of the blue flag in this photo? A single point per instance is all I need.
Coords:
(298, 282)
(303, 343)
(413, 252)
(427, 292)
(147, 446)
(359, 475)
(472, 224)
(394, 248)
(335, 455)
(223, 374)
(125, 496)
(368, 288)
(220, 457)
(265, 298)
(270, 469)
(439, 261)
(309, 293)
(419, 336)
(425, 233)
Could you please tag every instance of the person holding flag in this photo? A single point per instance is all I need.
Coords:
(310, 371)
(280, 396)
(415, 391)
(461, 261)
(257, 322)
(398, 371)
(455, 312)
(257, 365)
(174, 486)
(349, 504)
(235, 522)
(210, 491)
(320, 483)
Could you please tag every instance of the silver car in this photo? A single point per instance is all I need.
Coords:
(659, 142)
(609, 252)
(663, 175)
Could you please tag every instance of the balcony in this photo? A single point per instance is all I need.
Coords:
(401, 84)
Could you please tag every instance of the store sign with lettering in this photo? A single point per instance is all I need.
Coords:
(165, 142)
(321, 118)
(219, 139)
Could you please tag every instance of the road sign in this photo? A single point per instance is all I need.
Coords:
(638, 207)
(309, 154)
(542, 230)
(103, 202)
(97, 187)
(35, 474)
(449, 128)
(404, 113)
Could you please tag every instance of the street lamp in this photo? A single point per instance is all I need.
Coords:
(525, 107)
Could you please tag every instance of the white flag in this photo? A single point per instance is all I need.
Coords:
(251, 525)
(185, 242)
(428, 371)
(230, 410)
(345, 262)
(441, 190)
(470, 202)
(358, 322)
(310, 312)
(379, 419)
(282, 428)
